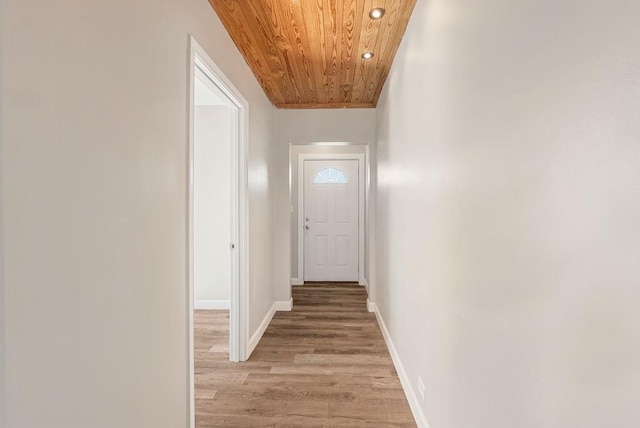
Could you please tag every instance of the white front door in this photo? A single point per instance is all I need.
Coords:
(330, 220)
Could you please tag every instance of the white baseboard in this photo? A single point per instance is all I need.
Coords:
(365, 284)
(211, 304)
(255, 338)
(286, 305)
(371, 307)
(297, 281)
(412, 397)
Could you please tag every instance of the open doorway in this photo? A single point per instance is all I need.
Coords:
(212, 229)
(217, 238)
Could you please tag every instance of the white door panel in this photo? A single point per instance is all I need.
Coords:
(331, 220)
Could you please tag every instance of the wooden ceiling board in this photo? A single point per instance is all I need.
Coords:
(307, 53)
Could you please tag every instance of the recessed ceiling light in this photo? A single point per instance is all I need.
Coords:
(367, 55)
(376, 13)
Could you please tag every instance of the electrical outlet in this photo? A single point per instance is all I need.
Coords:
(422, 390)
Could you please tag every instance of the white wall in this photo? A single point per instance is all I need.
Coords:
(3, 348)
(3, 309)
(94, 182)
(299, 128)
(508, 206)
(212, 204)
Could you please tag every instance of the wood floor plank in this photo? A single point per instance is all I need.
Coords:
(324, 364)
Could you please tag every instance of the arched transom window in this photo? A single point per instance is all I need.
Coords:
(330, 176)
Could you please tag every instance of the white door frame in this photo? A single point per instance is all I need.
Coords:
(238, 302)
(361, 213)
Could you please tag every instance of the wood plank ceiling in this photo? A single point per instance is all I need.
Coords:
(308, 53)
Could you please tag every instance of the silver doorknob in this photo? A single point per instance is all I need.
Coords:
(306, 227)
(306, 218)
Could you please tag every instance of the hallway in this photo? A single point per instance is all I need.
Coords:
(323, 364)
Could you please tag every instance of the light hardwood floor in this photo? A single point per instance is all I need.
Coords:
(324, 364)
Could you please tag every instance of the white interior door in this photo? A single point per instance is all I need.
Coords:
(330, 225)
